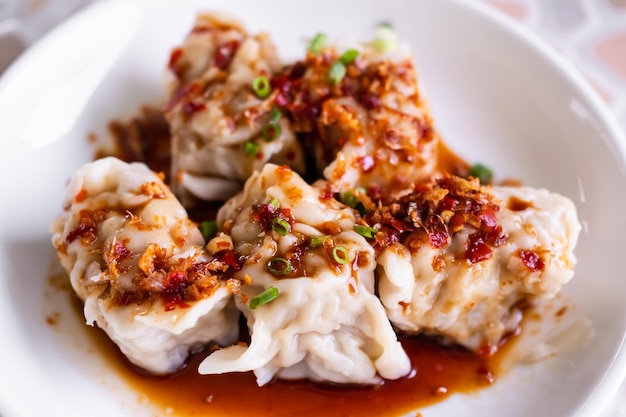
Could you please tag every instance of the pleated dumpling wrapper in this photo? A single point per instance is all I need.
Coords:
(222, 112)
(359, 108)
(140, 265)
(461, 261)
(308, 293)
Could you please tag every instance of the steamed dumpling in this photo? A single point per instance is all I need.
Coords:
(460, 261)
(221, 130)
(325, 323)
(371, 128)
(140, 266)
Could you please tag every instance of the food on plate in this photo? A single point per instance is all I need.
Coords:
(360, 111)
(222, 115)
(460, 261)
(140, 265)
(344, 227)
(308, 288)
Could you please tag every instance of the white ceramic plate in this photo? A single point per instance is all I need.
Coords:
(498, 95)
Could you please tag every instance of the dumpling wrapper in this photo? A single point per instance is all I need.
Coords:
(372, 129)
(435, 291)
(130, 251)
(221, 130)
(326, 323)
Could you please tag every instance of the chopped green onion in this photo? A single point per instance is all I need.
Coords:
(385, 40)
(265, 297)
(275, 203)
(336, 72)
(251, 148)
(481, 172)
(349, 56)
(271, 131)
(341, 255)
(279, 266)
(208, 230)
(261, 87)
(365, 231)
(318, 43)
(275, 116)
(280, 226)
(350, 200)
(387, 25)
(317, 241)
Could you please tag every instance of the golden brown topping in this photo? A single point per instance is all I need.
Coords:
(152, 259)
(152, 189)
(435, 211)
(87, 227)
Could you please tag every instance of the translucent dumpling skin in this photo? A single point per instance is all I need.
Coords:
(460, 261)
(223, 119)
(140, 266)
(324, 321)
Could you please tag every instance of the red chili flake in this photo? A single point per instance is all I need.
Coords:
(224, 54)
(297, 70)
(438, 239)
(531, 260)
(86, 229)
(448, 203)
(326, 193)
(369, 100)
(175, 285)
(175, 56)
(488, 219)
(81, 195)
(230, 258)
(120, 251)
(477, 249)
(189, 108)
(398, 225)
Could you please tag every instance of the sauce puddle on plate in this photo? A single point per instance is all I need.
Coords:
(437, 372)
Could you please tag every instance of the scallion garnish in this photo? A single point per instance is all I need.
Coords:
(208, 230)
(279, 266)
(317, 241)
(261, 86)
(274, 202)
(365, 231)
(341, 255)
(271, 131)
(275, 116)
(280, 226)
(385, 40)
(318, 43)
(481, 172)
(336, 72)
(251, 148)
(350, 200)
(265, 297)
(349, 56)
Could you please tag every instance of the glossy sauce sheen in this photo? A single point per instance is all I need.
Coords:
(436, 373)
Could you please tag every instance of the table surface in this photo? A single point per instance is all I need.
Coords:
(589, 33)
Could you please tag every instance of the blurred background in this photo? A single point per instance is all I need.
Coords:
(591, 34)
